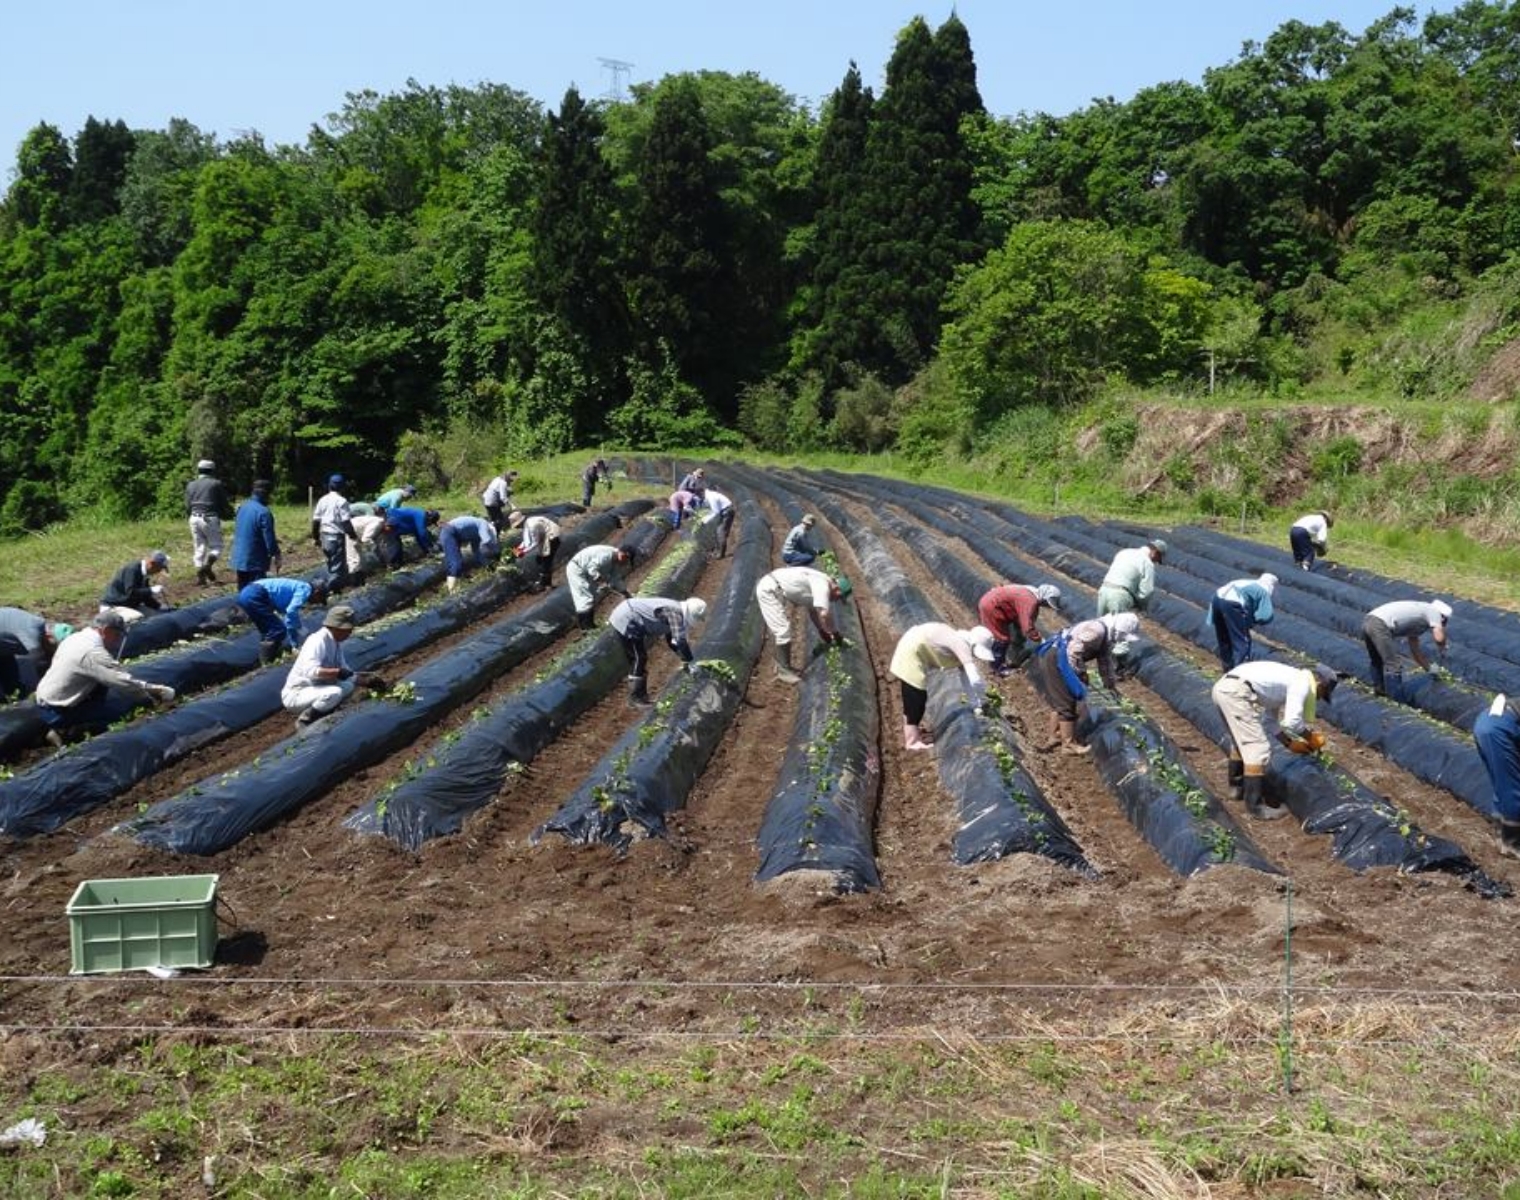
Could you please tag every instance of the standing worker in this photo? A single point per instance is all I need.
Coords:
(206, 504)
(132, 591)
(540, 537)
(74, 694)
(934, 646)
(1402, 619)
(1497, 732)
(1063, 662)
(1131, 579)
(798, 549)
(476, 533)
(595, 470)
(595, 570)
(320, 678)
(1236, 609)
(1009, 612)
(274, 606)
(255, 549)
(635, 619)
(1243, 696)
(26, 637)
(331, 522)
(805, 588)
(497, 497)
(1310, 536)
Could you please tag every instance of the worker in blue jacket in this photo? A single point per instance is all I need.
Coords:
(413, 522)
(274, 606)
(1236, 609)
(255, 550)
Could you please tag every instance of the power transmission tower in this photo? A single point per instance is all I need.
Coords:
(617, 72)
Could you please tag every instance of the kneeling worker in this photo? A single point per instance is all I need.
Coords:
(1244, 695)
(320, 678)
(74, 694)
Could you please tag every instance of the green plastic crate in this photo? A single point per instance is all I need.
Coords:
(133, 924)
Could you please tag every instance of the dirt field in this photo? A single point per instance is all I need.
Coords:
(488, 930)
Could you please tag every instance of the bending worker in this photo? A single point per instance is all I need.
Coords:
(1497, 732)
(804, 587)
(1062, 663)
(1009, 612)
(929, 647)
(75, 692)
(1236, 609)
(595, 570)
(540, 538)
(1310, 536)
(26, 637)
(274, 606)
(1131, 579)
(458, 533)
(1406, 619)
(1243, 696)
(637, 618)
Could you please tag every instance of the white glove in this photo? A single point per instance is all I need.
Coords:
(162, 693)
(158, 590)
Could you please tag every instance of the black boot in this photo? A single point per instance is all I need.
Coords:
(202, 575)
(638, 691)
(1507, 838)
(1252, 787)
(584, 620)
(1237, 776)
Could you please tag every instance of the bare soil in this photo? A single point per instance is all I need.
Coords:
(490, 928)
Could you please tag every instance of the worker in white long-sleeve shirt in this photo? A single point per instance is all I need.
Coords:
(1310, 537)
(593, 571)
(540, 540)
(1243, 696)
(74, 692)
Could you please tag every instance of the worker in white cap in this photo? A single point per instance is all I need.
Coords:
(1407, 619)
(636, 618)
(206, 505)
(1236, 609)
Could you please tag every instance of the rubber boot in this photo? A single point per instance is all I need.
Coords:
(202, 575)
(1507, 838)
(268, 652)
(1052, 735)
(1069, 743)
(211, 569)
(1237, 773)
(584, 620)
(783, 658)
(638, 691)
(1253, 785)
(913, 739)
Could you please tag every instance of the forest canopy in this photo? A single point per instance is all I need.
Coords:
(711, 262)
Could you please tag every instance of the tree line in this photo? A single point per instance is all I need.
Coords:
(710, 262)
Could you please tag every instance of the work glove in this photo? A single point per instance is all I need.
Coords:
(162, 693)
(1307, 742)
(345, 673)
(518, 551)
(371, 681)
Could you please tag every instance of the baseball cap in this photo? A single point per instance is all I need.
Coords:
(339, 616)
(842, 582)
(809, 519)
(62, 630)
(694, 609)
(1326, 678)
(159, 558)
(408, 490)
(205, 465)
(980, 638)
(1158, 546)
(334, 482)
(1443, 608)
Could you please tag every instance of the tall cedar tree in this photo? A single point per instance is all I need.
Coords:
(920, 220)
(679, 278)
(574, 275)
(101, 153)
(837, 329)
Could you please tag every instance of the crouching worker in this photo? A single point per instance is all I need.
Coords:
(1243, 696)
(928, 647)
(594, 571)
(475, 533)
(274, 606)
(75, 692)
(803, 587)
(321, 679)
(1497, 732)
(1063, 663)
(635, 619)
(26, 638)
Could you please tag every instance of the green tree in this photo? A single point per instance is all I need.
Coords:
(101, 153)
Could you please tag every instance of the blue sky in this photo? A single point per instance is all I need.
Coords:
(278, 66)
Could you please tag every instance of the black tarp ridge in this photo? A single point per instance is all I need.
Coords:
(1000, 809)
(1160, 794)
(222, 809)
(650, 771)
(466, 773)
